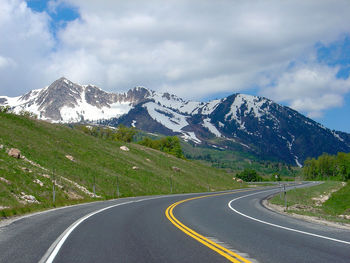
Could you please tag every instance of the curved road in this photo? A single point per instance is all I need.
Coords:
(138, 230)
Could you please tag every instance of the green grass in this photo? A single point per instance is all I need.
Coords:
(238, 160)
(48, 144)
(339, 202)
(300, 201)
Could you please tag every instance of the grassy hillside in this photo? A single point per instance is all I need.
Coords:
(238, 160)
(330, 200)
(45, 147)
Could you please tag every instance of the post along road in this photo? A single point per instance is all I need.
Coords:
(210, 227)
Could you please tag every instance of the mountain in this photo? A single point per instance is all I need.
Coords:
(248, 123)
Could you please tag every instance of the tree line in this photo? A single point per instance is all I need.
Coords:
(335, 167)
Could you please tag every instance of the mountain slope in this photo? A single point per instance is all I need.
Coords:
(257, 124)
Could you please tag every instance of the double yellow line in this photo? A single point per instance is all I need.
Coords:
(230, 255)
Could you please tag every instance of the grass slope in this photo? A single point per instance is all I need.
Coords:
(308, 201)
(95, 159)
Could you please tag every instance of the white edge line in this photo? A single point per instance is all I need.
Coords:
(278, 226)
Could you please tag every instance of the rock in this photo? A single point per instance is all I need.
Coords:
(13, 152)
(37, 181)
(1, 146)
(135, 168)
(28, 198)
(148, 160)
(176, 169)
(25, 169)
(239, 181)
(345, 216)
(45, 175)
(124, 148)
(234, 178)
(70, 157)
(2, 179)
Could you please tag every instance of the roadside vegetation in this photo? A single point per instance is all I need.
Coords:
(237, 161)
(329, 200)
(328, 167)
(77, 162)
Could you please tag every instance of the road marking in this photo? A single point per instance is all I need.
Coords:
(55, 247)
(278, 226)
(228, 254)
(52, 252)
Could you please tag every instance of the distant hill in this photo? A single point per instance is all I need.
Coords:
(257, 125)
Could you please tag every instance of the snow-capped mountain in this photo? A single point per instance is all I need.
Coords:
(244, 122)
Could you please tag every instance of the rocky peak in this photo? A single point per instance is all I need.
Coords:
(137, 95)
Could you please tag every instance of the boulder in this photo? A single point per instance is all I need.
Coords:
(239, 180)
(124, 148)
(37, 181)
(176, 169)
(135, 168)
(28, 198)
(70, 157)
(13, 152)
(1, 146)
(25, 169)
(2, 179)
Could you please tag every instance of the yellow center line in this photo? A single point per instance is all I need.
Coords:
(230, 255)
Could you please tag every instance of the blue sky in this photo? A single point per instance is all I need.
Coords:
(294, 52)
(60, 16)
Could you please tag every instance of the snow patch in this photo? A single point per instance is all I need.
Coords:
(336, 135)
(133, 124)
(190, 136)
(169, 118)
(297, 161)
(211, 127)
(86, 111)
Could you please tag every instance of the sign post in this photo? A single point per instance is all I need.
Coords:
(53, 187)
(285, 196)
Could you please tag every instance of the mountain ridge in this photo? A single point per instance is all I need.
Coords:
(257, 124)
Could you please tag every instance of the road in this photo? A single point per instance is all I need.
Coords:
(149, 229)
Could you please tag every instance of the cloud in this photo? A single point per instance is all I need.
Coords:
(310, 88)
(24, 47)
(194, 49)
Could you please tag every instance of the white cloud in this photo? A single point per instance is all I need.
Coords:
(310, 88)
(24, 47)
(194, 48)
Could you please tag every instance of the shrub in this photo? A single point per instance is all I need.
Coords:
(249, 175)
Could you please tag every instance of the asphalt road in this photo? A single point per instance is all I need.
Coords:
(137, 230)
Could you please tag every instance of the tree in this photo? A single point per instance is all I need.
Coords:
(249, 175)
(124, 133)
(169, 144)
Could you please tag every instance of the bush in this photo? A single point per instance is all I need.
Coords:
(5, 109)
(249, 175)
(169, 144)
(124, 134)
(28, 114)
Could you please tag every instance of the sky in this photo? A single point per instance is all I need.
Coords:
(294, 52)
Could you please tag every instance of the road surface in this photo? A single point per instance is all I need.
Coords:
(209, 227)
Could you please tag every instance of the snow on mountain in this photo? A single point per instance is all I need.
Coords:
(170, 119)
(256, 124)
(211, 127)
